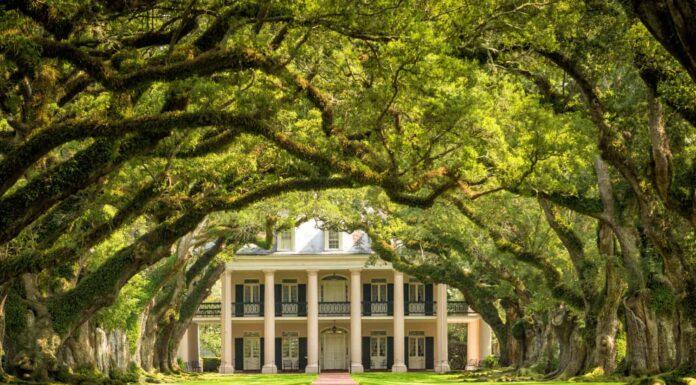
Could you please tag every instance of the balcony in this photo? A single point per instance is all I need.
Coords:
(247, 309)
(457, 308)
(327, 309)
(209, 309)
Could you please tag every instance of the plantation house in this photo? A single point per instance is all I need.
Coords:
(317, 301)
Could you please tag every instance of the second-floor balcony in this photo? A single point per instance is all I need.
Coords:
(329, 309)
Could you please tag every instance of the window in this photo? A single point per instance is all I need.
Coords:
(289, 294)
(416, 292)
(252, 291)
(332, 240)
(291, 345)
(379, 290)
(286, 240)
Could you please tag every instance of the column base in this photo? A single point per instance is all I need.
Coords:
(312, 368)
(226, 369)
(443, 368)
(356, 368)
(399, 368)
(269, 369)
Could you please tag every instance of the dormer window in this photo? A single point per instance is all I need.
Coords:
(332, 240)
(286, 240)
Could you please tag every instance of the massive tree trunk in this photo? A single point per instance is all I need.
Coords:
(642, 356)
(571, 343)
(607, 323)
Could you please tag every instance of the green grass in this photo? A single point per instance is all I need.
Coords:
(427, 378)
(381, 378)
(250, 379)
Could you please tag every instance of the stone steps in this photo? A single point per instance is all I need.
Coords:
(334, 379)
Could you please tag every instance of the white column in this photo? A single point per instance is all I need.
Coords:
(182, 353)
(485, 340)
(194, 353)
(399, 359)
(442, 364)
(473, 350)
(355, 323)
(226, 361)
(312, 322)
(269, 365)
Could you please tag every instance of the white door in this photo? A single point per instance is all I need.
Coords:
(378, 352)
(252, 353)
(334, 291)
(416, 352)
(334, 351)
(291, 348)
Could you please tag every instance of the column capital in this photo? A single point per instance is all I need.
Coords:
(355, 270)
(268, 271)
(312, 271)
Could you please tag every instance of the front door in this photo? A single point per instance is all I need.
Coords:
(291, 351)
(416, 352)
(378, 352)
(334, 351)
(252, 353)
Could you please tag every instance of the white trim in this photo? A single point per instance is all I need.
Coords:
(300, 262)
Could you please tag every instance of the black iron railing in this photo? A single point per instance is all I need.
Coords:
(418, 307)
(209, 309)
(247, 309)
(334, 308)
(291, 309)
(457, 307)
(255, 309)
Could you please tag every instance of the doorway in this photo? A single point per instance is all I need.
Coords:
(334, 349)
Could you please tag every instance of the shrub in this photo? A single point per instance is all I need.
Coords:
(211, 364)
(490, 362)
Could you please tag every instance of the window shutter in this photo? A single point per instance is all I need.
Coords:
(239, 353)
(406, 298)
(262, 303)
(428, 299)
(366, 353)
(239, 300)
(367, 294)
(406, 351)
(303, 353)
(302, 299)
(390, 352)
(263, 350)
(279, 353)
(390, 299)
(278, 288)
(429, 353)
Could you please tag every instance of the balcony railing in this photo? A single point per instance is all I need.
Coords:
(334, 308)
(418, 307)
(457, 308)
(209, 309)
(255, 309)
(380, 308)
(291, 309)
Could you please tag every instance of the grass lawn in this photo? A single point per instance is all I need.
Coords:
(417, 378)
(250, 379)
(425, 378)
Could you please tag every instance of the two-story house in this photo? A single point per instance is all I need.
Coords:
(315, 302)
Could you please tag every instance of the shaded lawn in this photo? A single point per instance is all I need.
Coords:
(427, 378)
(250, 379)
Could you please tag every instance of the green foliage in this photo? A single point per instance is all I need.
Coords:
(211, 364)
